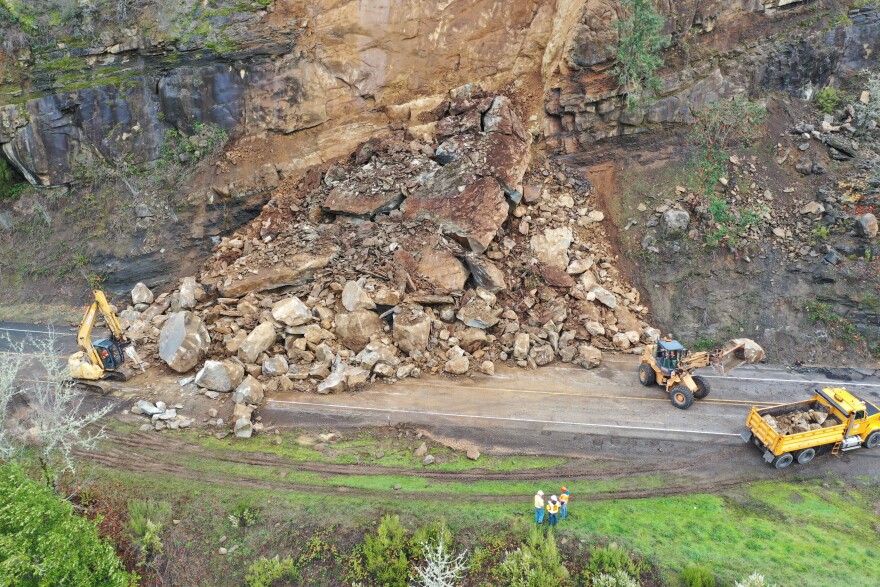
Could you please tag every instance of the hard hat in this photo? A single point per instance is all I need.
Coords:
(564, 489)
(540, 492)
(552, 498)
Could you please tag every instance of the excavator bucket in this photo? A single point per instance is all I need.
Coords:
(135, 358)
(736, 352)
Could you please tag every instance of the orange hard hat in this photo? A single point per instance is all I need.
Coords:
(564, 489)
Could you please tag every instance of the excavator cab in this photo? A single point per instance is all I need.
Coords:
(109, 352)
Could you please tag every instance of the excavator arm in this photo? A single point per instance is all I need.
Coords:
(110, 318)
(84, 334)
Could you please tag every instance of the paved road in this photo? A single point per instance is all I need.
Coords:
(16, 337)
(606, 401)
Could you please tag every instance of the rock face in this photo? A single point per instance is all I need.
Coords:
(183, 342)
(223, 376)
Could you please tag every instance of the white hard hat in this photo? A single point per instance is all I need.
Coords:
(540, 492)
(552, 498)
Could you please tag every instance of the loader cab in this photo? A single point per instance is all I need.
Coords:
(109, 352)
(669, 353)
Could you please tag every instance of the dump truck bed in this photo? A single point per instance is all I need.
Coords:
(778, 443)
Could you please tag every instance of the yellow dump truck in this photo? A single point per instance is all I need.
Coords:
(833, 421)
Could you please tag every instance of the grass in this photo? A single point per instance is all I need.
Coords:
(795, 533)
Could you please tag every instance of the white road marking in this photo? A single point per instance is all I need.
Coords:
(508, 419)
(37, 331)
(827, 382)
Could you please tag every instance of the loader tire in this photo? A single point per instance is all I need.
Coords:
(806, 455)
(681, 397)
(702, 387)
(783, 460)
(647, 375)
(873, 440)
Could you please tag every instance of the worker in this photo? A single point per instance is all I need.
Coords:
(563, 501)
(553, 511)
(539, 507)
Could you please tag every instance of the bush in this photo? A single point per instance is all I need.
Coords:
(264, 572)
(385, 553)
(244, 515)
(753, 580)
(608, 560)
(146, 519)
(638, 51)
(618, 579)
(430, 536)
(695, 576)
(9, 187)
(536, 563)
(828, 99)
(43, 542)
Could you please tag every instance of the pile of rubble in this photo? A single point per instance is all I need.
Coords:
(410, 258)
(800, 421)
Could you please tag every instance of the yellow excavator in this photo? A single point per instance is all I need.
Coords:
(669, 364)
(105, 358)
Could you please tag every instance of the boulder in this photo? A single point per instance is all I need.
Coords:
(421, 451)
(148, 408)
(275, 365)
(542, 354)
(457, 365)
(243, 428)
(242, 411)
(295, 270)
(551, 246)
(356, 377)
(487, 368)
(867, 225)
(521, 345)
(473, 453)
(604, 296)
(675, 223)
(363, 203)
(141, 294)
(579, 266)
(223, 376)
(335, 383)
(249, 391)
(595, 328)
(621, 341)
(589, 356)
(291, 312)
(355, 298)
(190, 293)
(443, 269)
(183, 341)
(258, 341)
(478, 313)
(354, 329)
(376, 352)
(429, 460)
(412, 330)
(485, 273)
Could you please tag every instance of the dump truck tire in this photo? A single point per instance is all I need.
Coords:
(783, 460)
(873, 440)
(647, 376)
(806, 455)
(681, 397)
(702, 387)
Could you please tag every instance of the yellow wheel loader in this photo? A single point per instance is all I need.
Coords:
(669, 364)
(105, 358)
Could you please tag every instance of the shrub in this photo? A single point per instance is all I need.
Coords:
(244, 515)
(385, 553)
(617, 579)
(694, 576)
(430, 536)
(536, 563)
(638, 51)
(264, 572)
(753, 580)
(146, 519)
(608, 560)
(43, 542)
(828, 99)
(441, 568)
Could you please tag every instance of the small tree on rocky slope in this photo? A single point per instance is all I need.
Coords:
(638, 51)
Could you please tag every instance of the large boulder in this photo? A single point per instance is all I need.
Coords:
(412, 330)
(443, 269)
(274, 366)
(354, 329)
(377, 352)
(457, 362)
(291, 312)
(243, 428)
(551, 246)
(604, 296)
(589, 356)
(521, 345)
(295, 270)
(258, 341)
(355, 298)
(542, 354)
(249, 391)
(222, 376)
(183, 341)
(190, 293)
(479, 313)
(867, 225)
(141, 294)
(486, 274)
(675, 223)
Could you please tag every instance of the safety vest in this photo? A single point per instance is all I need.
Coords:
(564, 497)
(552, 508)
(539, 501)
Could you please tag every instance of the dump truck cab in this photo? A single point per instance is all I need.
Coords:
(844, 423)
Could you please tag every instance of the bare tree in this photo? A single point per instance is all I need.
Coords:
(441, 569)
(55, 423)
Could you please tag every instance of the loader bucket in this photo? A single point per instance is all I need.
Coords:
(736, 352)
